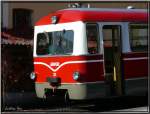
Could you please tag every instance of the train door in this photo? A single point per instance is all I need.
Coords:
(113, 59)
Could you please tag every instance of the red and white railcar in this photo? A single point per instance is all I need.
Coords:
(91, 53)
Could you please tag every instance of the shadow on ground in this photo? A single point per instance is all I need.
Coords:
(29, 102)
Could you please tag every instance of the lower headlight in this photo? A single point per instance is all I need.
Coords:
(32, 76)
(76, 75)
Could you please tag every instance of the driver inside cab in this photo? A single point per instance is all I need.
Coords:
(92, 43)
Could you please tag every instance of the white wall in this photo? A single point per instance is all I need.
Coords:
(5, 15)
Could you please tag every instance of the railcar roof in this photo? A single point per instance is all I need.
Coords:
(96, 15)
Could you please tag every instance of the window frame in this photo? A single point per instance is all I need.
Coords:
(131, 39)
(54, 54)
(98, 38)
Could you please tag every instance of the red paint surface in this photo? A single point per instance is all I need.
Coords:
(89, 72)
(94, 16)
(135, 68)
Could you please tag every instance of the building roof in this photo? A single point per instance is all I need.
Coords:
(95, 15)
(10, 39)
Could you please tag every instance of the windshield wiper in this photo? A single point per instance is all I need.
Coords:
(47, 37)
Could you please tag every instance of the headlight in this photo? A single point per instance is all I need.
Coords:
(32, 76)
(76, 75)
(54, 19)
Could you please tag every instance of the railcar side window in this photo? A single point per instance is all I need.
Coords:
(139, 37)
(92, 38)
(55, 43)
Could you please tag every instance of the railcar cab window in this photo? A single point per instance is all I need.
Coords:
(55, 43)
(139, 37)
(92, 38)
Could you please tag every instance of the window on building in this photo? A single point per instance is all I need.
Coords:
(92, 38)
(22, 18)
(139, 37)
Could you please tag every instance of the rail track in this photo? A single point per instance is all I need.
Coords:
(25, 103)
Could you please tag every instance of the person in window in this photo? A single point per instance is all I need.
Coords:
(92, 43)
(56, 47)
(59, 48)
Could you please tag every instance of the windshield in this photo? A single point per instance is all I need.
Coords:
(55, 43)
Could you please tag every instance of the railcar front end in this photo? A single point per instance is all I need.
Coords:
(86, 53)
(62, 62)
